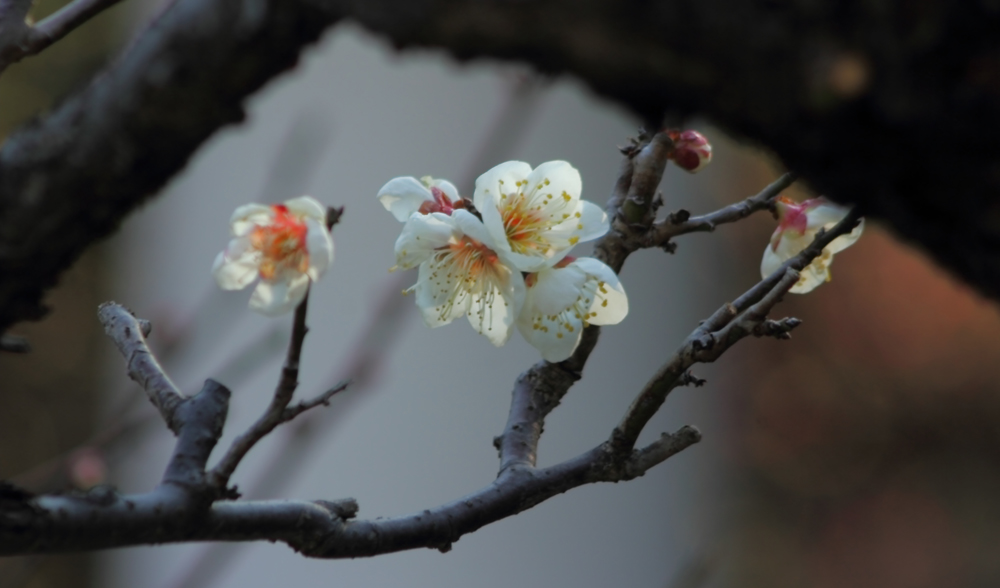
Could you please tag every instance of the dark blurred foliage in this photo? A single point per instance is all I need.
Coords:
(49, 397)
(866, 450)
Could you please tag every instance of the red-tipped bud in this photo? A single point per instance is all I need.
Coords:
(692, 151)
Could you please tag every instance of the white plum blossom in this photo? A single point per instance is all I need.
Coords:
(405, 195)
(460, 274)
(798, 224)
(564, 299)
(536, 216)
(509, 266)
(284, 245)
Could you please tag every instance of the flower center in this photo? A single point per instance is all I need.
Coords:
(528, 218)
(465, 272)
(281, 243)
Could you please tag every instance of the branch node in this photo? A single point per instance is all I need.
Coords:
(779, 329)
(344, 509)
(678, 216)
(689, 379)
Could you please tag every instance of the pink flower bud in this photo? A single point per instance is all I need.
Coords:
(692, 151)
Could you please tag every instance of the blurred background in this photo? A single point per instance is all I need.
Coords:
(860, 453)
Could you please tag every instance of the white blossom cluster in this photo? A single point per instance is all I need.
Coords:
(508, 265)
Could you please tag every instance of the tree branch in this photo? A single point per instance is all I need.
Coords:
(27, 40)
(729, 324)
(129, 335)
(680, 222)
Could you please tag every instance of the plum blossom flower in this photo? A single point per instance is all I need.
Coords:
(535, 217)
(405, 195)
(284, 245)
(562, 300)
(460, 274)
(798, 224)
(692, 151)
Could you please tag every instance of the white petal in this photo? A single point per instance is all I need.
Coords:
(824, 214)
(844, 241)
(494, 316)
(236, 266)
(562, 178)
(469, 225)
(555, 289)
(433, 295)
(770, 262)
(555, 345)
(501, 179)
(278, 297)
(594, 221)
(610, 304)
(319, 244)
(496, 234)
(421, 235)
(812, 277)
(248, 216)
(307, 207)
(403, 196)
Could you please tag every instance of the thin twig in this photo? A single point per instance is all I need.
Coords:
(321, 400)
(678, 223)
(275, 413)
(129, 335)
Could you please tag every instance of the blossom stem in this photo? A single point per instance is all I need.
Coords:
(276, 411)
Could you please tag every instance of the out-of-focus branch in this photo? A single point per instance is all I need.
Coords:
(129, 335)
(19, 39)
(14, 343)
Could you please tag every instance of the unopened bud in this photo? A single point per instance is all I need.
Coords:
(692, 151)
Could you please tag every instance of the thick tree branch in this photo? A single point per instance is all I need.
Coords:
(104, 519)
